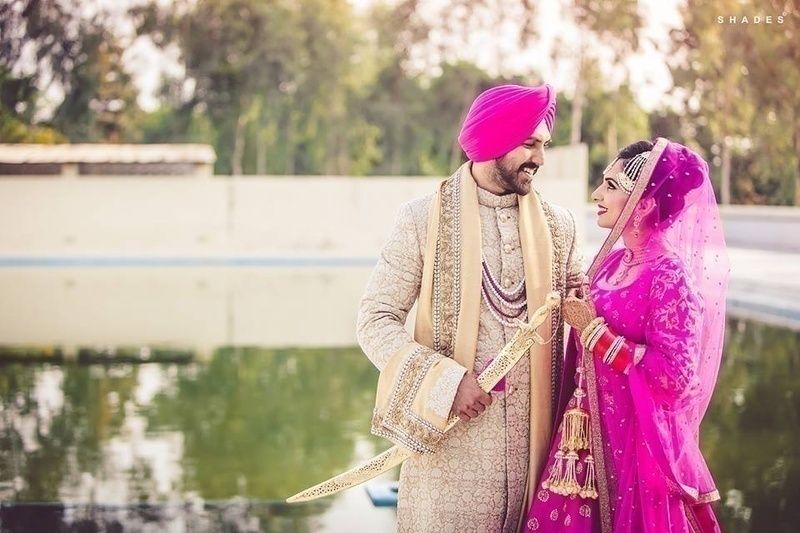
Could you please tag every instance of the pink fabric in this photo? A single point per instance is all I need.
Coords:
(680, 185)
(503, 117)
(653, 476)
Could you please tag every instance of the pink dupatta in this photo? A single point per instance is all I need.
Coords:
(670, 429)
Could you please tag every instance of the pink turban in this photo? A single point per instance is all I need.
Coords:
(504, 117)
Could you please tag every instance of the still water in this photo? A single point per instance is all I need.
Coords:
(202, 446)
(166, 431)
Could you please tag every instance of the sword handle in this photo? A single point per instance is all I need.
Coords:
(525, 337)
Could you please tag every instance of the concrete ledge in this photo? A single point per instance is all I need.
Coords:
(775, 228)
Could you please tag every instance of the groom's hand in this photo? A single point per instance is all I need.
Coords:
(470, 400)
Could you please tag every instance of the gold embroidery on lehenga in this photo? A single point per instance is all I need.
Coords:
(708, 497)
(602, 469)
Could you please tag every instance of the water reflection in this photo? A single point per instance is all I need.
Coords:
(751, 432)
(264, 425)
(247, 428)
(199, 308)
(166, 441)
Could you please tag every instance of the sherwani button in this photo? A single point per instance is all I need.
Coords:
(507, 248)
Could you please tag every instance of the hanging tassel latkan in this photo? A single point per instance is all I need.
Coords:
(574, 437)
(576, 429)
(589, 489)
(569, 484)
(555, 480)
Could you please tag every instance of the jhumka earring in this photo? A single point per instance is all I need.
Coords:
(637, 220)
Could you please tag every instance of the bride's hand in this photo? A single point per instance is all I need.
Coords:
(579, 310)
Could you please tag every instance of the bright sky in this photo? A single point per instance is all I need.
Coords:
(649, 74)
(500, 53)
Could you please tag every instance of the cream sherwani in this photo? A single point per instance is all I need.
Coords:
(478, 480)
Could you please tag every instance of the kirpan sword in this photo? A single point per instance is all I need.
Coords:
(512, 352)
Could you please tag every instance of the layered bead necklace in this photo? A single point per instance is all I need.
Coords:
(504, 304)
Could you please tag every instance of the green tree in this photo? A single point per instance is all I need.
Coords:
(100, 99)
(741, 106)
(51, 43)
(274, 78)
(612, 24)
(612, 119)
(38, 41)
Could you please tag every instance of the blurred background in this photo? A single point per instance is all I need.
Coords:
(193, 194)
(370, 87)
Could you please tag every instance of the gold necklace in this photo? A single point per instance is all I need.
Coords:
(629, 260)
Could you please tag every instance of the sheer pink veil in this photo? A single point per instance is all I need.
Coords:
(687, 222)
(694, 231)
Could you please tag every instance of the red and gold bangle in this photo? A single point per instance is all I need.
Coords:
(603, 343)
(595, 336)
(592, 331)
(614, 350)
(624, 357)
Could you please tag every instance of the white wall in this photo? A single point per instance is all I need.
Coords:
(191, 234)
(135, 217)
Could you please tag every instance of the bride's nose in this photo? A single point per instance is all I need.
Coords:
(596, 196)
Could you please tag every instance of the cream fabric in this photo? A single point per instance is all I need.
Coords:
(477, 482)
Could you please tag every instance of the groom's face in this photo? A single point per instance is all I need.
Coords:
(514, 171)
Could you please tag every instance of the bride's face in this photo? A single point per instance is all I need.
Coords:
(610, 197)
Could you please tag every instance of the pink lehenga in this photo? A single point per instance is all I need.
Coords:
(625, 455)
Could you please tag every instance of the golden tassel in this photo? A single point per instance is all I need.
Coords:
(575, 436)
(589, 489)
(570, 484)
(555, 480)
(576, 429)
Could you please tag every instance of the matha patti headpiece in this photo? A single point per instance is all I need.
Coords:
(631, 171)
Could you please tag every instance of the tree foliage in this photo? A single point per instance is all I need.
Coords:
(52, 45)
(742, 105)
(320, 87)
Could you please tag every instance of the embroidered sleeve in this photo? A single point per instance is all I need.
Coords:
(672, 335)
(416, 389)
(443, 393)
(391, 291)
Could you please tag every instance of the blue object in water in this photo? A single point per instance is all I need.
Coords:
(383, 494)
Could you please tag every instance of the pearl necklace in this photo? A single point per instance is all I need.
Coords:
(630, 260)
(505, 305)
